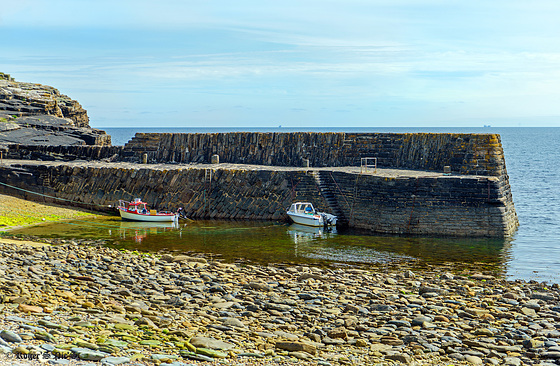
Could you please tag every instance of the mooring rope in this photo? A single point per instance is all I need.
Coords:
(53, 197)
(66, 200)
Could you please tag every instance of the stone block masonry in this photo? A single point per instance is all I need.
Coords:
(231, 193)
(479, 189)
(426, 205)
(466, 154)
(63, 152)
(399, 202)
(475, 154)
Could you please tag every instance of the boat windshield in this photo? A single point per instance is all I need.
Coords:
(123, 204)
(303, 208)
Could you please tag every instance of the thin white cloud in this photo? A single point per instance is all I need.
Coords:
(464, 58)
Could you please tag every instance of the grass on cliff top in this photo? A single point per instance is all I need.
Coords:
(15, 212)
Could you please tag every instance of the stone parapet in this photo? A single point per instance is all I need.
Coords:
(474, 154)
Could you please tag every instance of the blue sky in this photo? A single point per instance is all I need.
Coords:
(305, 63)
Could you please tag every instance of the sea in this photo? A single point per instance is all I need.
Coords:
(533, 253)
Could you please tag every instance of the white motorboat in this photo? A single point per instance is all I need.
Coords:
(304, 213)
(137, 211)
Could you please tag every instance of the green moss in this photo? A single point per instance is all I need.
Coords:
(10, 219)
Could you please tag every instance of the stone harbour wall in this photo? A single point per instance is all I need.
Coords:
(203, 193)
(475, 154)
(448, 205)
(465, 154)
(431, 205)
(63, 152)
(409, 205)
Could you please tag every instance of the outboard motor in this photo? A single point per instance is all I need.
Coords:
(325, 220)
(328, 220)
(181, 213)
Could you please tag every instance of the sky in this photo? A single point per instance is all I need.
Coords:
(292, 63)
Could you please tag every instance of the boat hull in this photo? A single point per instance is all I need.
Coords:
(310, 220)
(132, 216)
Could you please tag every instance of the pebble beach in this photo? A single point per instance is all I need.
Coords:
(86, 303)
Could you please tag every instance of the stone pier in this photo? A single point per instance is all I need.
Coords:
(393, 201)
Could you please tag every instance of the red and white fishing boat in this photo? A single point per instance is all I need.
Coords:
(138, 211)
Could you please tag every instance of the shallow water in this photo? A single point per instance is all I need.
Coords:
(266, 242)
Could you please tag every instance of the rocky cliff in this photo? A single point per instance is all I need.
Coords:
(35, 114)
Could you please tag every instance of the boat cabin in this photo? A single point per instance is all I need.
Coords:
(302, 208)
(136, 206)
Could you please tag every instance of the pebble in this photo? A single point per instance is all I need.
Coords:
(157, 356)
(106, 306)
(211, 343)
(3, 342)
(9, 336)
(92, 355)
(59, 361)
(5, 349)
(475, 360)
(211, 353)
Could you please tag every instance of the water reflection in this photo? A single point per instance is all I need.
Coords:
(273, 242)
(302, 233)
(319, 243)
(138, 231)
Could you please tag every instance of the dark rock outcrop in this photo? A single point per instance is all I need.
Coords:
(35, 114)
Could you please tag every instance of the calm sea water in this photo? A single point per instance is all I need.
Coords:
(532, 159)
